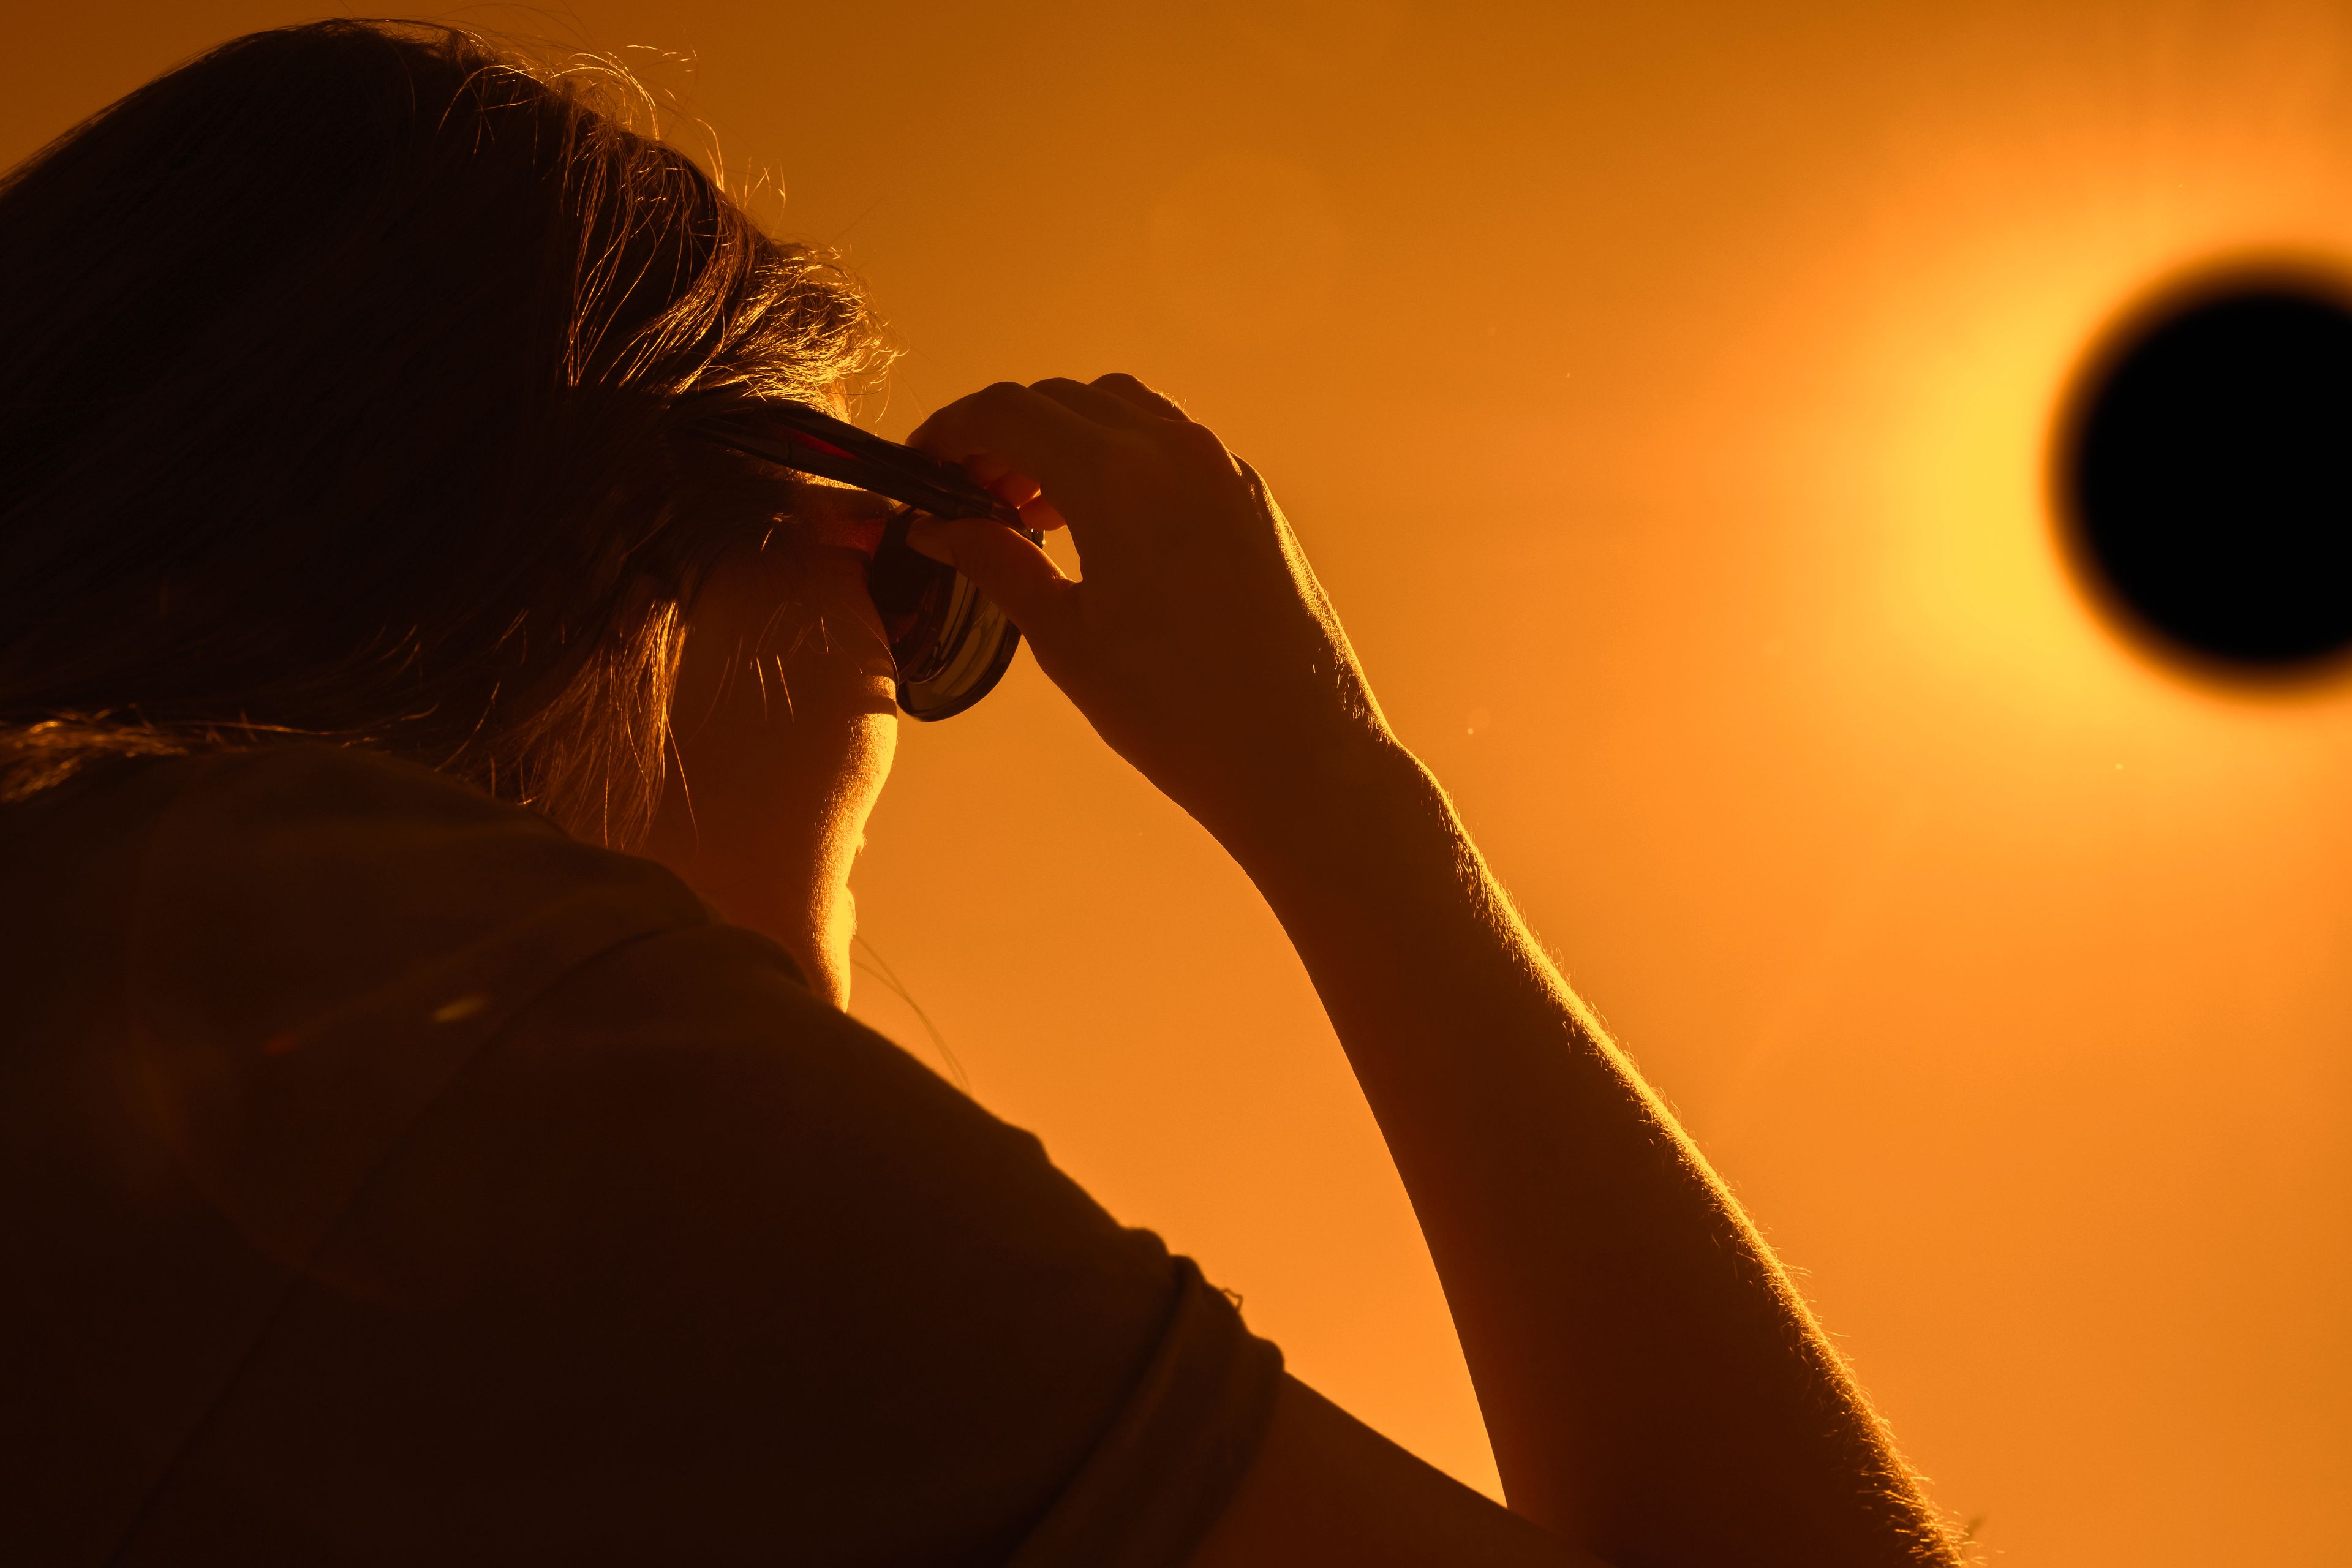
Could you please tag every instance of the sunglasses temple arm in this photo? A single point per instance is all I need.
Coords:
(901, 473)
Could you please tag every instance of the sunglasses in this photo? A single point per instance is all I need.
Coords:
(950, 644)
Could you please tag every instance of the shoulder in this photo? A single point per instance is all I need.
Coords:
(301, 880)
(614, 1237)
(574, 1219)
(319, 944)
(326, 822)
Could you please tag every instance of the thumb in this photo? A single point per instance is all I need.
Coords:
(1017, 577)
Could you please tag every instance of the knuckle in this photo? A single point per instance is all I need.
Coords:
(1199, 442)
(1134, 389)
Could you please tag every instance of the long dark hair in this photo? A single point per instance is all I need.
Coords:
(346, 380)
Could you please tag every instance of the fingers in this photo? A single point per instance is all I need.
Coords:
(999, 478)
(1016, 490)
(1128, 390)
(1024, 430)
(1117, 399)
(1008, 427)
(1063, 438)
(1041, 516)
(1015, 575)
(1096, 403)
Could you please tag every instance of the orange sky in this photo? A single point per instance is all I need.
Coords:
(1664, 399)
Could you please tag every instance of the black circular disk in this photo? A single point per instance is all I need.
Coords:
(2209, 477)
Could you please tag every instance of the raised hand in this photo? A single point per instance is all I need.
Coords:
(1196, 641)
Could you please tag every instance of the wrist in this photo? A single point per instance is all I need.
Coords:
(1340, 806)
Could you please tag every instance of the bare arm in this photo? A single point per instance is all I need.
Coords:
(1655, 1391)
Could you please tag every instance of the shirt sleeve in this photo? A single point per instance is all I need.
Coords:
(606, 1242)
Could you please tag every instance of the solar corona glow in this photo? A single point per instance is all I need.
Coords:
(2207, 473)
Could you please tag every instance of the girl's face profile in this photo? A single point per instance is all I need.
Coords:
(784, 727)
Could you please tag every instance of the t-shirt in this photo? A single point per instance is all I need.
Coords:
(386, 1177)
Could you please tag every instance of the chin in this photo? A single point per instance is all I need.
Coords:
(829, 979)
(824, 957)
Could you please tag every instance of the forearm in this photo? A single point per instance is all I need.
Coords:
(1653, 1386)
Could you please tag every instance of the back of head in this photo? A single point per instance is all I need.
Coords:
(349, 377)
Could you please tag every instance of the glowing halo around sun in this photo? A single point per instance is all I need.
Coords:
(1979, 364)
